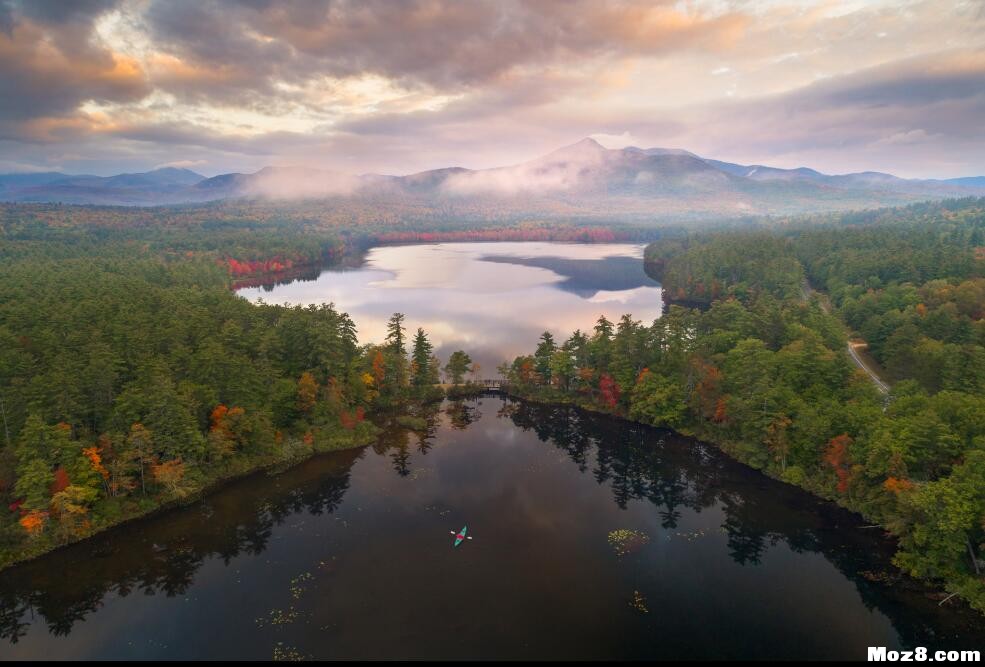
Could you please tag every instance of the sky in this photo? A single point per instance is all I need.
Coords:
(399, 86)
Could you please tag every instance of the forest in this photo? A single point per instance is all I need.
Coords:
(132, 377)
(750, 357)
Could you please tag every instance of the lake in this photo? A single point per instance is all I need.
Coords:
(592, 537)
(492, 300)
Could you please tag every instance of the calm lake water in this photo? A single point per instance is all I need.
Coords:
(350, 555)
(492, 300)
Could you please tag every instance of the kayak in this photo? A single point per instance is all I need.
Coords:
(460, 536)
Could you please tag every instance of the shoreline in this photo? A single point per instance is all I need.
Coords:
(211, 486)
(926, 588)
(263, 465)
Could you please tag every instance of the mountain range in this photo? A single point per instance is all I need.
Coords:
(584, 178)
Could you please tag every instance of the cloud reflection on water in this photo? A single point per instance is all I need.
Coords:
(493, 310)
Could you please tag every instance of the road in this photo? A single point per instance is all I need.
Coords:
(826, 307)
(880, 385)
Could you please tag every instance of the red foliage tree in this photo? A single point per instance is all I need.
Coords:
(61, 481)
(836, 456)
(609, 391)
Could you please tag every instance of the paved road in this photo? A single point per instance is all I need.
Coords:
(880, 385)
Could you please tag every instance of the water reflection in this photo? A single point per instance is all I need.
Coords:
(491, 299)
(588, 278)
(675, 473)
(161, 556)
(773, 570)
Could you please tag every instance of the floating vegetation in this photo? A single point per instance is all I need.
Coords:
(297, 585)
(693, 535)
(283, 653)
(278, 617)
(639, 603)
(626, 541)
(879, 577)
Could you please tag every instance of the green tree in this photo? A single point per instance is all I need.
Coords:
(457, 366)
(542, 357)
(420, 367)
(658, 401)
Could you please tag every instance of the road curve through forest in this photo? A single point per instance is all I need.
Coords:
(880, 385)
(876, 380)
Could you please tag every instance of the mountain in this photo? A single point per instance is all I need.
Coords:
(584, 169)
(967, 182)
(281, 183)
(28, 180)
(165, 185)
(584, 179)
(865, 180)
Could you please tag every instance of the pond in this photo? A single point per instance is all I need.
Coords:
(591, 537)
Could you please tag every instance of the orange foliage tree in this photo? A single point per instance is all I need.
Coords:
(836, 456)
(307, 392)
(33, 522)
(170, 475)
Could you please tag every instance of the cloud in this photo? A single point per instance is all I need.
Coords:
(397, 87)
(437, 43)
(301, 183)
(917, 117)
(615, 140)
(181, 164)
(564, 169)
(49, 66)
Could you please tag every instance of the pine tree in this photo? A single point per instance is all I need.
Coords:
(421, 359)
(395, 335)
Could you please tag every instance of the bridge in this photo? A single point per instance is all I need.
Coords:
(488, 386)
(497, 386)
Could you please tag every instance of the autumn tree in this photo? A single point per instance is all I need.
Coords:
(307, 392)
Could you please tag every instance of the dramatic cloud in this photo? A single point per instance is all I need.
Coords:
(50, 65)
(396, 87)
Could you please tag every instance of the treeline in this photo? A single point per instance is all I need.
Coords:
(762, 371)
(563, 233)
(701, 271)
(130, 378)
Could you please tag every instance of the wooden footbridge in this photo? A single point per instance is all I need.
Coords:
(493, 386)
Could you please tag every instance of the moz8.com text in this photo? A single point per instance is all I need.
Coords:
(921, 654)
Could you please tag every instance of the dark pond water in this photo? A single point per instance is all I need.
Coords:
(349, 556)
(593, 538)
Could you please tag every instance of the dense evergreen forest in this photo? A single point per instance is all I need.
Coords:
(131, 376)
(761, 368)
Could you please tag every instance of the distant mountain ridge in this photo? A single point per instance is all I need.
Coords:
(146, 188)
(584, 178)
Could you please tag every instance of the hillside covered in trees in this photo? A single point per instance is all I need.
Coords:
(760, 367)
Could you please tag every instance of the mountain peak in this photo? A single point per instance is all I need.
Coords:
(588, 142)
(587, 148)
